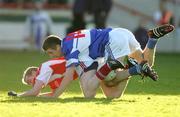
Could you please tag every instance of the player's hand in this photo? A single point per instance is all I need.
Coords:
(12, 93)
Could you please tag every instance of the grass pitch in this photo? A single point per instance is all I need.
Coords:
(141, 99)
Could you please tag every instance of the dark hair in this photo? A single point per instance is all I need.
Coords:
(51, 42)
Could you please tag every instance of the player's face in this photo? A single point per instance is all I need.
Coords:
(30, 78)
(53, 53)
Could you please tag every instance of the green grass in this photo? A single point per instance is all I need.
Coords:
(141, 99)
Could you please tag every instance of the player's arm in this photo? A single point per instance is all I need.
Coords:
(68, 77)
(46, 94)
(34, 91)
(51, 94)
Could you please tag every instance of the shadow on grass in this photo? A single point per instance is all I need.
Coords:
(64, 100)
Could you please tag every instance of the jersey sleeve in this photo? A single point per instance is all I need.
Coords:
(45, 73)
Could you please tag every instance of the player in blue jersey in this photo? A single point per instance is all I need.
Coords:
(37, 26)
(95, 53)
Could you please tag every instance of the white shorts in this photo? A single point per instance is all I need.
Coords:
(85, 64)
(121, 42)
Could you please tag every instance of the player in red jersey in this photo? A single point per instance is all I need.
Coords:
(49, 73)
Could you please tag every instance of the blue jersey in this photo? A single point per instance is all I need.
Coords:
(85, 45)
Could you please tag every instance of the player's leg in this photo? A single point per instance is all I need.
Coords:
(116, 91)
(135, 68)
(149, 55)
(154, 35)
(88, 82)
(122, 44)
(149, 52)
(114, 88)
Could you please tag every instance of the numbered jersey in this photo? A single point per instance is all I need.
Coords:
(85, 45)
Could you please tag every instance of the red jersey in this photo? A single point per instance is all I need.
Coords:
(52, 72)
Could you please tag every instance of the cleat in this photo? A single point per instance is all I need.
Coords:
(12, 93)
(131, 62)
(160, 31)
(147, 71)
(114, 64)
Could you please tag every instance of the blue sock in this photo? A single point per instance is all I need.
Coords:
(151, 43)
(134, 70)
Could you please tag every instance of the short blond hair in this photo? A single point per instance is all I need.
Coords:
(28, 72)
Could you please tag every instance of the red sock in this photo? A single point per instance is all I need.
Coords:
(103, 71)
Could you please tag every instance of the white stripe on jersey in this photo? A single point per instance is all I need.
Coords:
(46, 71)
(82, 45)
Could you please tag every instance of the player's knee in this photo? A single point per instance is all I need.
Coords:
(89, 95)
(89, 92)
